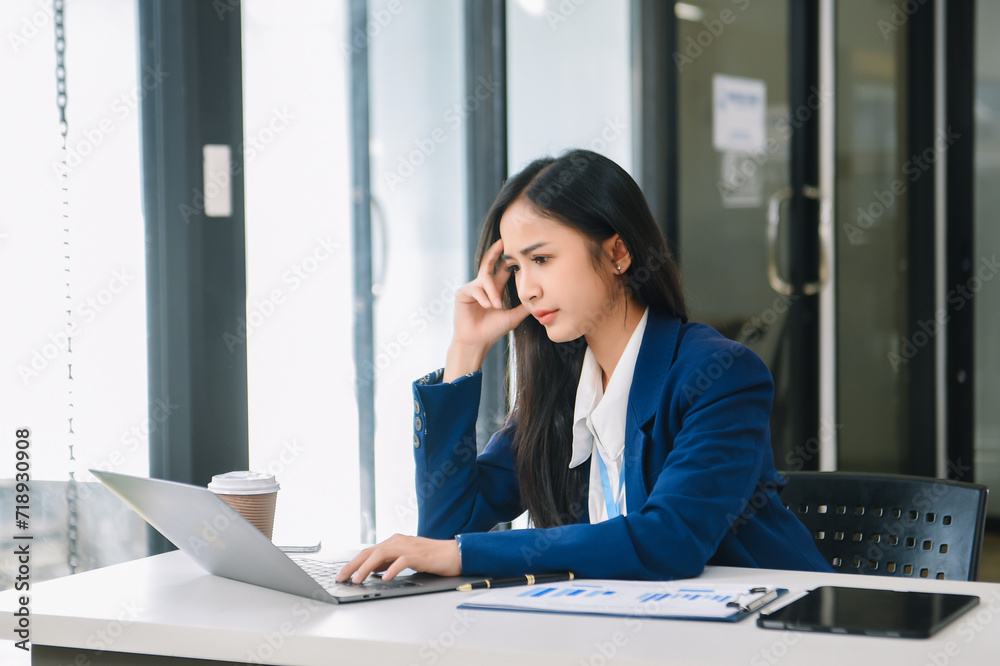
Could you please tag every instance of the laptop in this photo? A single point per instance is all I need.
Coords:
(225, 544)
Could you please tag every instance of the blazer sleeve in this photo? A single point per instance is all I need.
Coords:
(458, 490)
(715, 460)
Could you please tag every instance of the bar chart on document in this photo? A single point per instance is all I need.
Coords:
(674, 600)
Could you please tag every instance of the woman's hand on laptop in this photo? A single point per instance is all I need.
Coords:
(398, 552)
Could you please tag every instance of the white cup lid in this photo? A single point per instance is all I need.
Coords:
(243, 483)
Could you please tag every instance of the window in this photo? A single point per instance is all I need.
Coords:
(418, 186)
(303, 414)
(74, 301)
(300, 309)
(570, 80)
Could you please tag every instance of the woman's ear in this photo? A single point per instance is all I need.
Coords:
(615, 250)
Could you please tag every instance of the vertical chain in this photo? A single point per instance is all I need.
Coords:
(73, 558)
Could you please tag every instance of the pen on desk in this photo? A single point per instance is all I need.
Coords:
(528, 579)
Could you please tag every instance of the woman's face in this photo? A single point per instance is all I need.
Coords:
(555, 273)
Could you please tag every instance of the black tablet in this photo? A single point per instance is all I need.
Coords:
(850, 610)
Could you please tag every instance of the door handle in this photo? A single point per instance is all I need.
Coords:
(773, 223)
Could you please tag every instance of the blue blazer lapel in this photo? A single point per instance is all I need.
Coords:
(656, 355)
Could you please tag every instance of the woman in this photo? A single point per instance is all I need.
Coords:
(638, 443)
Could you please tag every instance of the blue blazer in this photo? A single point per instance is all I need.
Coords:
(701, 486)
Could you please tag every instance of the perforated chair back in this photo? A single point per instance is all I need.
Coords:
(891, 525)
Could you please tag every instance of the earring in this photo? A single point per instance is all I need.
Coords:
(619, 268)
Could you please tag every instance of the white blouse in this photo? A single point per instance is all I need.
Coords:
(599, 424)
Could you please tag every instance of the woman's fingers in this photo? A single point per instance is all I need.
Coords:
(436, 556)
(477, 293)
(480, 317)
(371, 560)
(487, 274)
(487, 287)
(515, 316)
(375, 562)
(354, 565)
(490, 258)
(399, 552)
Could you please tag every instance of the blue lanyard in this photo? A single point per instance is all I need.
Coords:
(610, 500)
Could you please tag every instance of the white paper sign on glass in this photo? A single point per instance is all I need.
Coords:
(739, 112)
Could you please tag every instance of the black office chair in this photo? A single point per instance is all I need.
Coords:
(891, 525)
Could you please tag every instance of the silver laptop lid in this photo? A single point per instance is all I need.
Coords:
(225, 544)
(214, 535)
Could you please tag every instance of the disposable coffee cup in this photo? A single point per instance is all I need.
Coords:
(251, 494)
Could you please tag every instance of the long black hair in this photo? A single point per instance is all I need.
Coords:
(590, 193)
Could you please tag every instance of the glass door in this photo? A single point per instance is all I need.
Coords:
(737, 209)
(791, 236)
(874, 370)
(418, 183)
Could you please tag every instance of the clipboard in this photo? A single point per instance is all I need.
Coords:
(671, 600)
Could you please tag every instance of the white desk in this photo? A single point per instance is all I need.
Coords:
(166, 605)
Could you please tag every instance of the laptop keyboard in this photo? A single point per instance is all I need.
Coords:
(325, 574)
